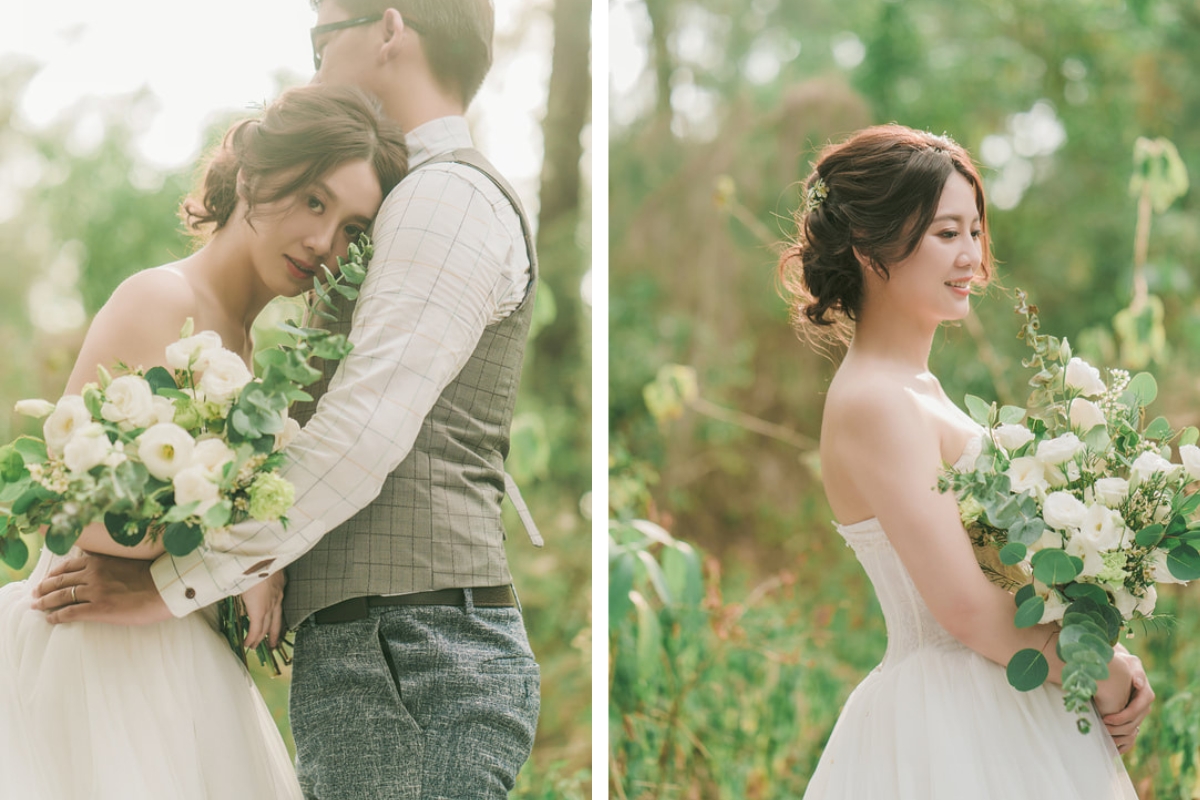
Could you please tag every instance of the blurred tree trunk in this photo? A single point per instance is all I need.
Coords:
(561, 379)
(659, 12)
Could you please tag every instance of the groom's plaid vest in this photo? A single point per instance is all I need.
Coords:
(436, 523)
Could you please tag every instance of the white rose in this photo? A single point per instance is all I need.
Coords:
(1159, 571)
(1102, 527)
(87, 448)
(1086, 415)
(193, 485)
(1013, 437)
(1027, 473)
(1058, 449)
(69, 415)
(212, 455)
(129, 403)
(1083, 377)
(1149, 463)
(222, 375)
(1063, 510)
(183, 353)
(1054, 608)
(1190, 455)
(1128, 603)
(285, 437)
(1112, 491)
(165, 449)
(34, 408)
(164, 409)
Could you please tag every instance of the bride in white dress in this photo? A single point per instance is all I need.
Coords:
(90, 711)
(892, 236)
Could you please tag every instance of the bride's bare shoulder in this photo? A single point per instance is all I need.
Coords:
(159, 291)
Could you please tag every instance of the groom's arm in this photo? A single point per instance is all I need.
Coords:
(440, 274)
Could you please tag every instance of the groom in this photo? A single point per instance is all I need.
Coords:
(413, 676)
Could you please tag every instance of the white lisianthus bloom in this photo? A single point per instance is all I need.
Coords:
(69, 415)
(1103, 527)
(194, 485)
(285, 436)
(1086, 415)
(1013, 437)
(1112, 491)
(165, 449)
(1149, 463)
(1063, 511)
(185, 352)
(1127, 602)
(220, 539)
(1027, 473)
(116, 456)
(1159, 570)
(1059, 449)
(87, 448)
(222, 375)
(34, 408)
(1049, 538)
(1082, 547)
(1190, 455)
(1083, 377)
(164, 409)
(212, 455)
(1054, 608)
(129, 403)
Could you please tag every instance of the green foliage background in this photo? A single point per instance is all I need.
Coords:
(91, 218)
(703, 181)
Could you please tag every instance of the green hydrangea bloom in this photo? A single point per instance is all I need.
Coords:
(270, 497)
(1114, 568)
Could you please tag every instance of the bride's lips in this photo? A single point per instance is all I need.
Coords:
(299, 270)
(961, 287)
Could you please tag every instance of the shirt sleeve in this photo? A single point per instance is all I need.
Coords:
(437, 279)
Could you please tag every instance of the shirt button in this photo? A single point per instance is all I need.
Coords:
(190, 594)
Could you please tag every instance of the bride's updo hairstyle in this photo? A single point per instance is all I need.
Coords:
(877, 193)
(307, 132)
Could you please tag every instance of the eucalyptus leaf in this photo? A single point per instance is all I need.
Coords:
(1011, 415)
(1189, 435)
(181, 538)
(1144, 387)
(1158, 429)
(1030, 612)
(1184, 562)
(1150, 535)
(14, 552)
(1027, 670)
(1013, 553)
(1053, 566)
(160, 379)
(979, 410)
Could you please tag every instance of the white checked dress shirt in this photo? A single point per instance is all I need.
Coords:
(449, 260)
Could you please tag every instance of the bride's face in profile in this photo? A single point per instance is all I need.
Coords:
(293, 236)
(934, 282)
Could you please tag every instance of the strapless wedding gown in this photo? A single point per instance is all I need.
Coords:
(937, 721)
(90, 711)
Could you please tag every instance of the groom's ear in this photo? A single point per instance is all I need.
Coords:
(393, 30)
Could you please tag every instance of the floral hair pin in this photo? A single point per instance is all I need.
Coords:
(815, 195)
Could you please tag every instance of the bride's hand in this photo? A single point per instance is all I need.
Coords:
(1125, 724)
(264, 607)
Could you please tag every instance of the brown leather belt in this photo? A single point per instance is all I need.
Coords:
(359, 607)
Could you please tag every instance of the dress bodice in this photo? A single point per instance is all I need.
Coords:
(910, 623)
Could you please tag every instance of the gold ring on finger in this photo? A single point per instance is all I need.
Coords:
(74, 599)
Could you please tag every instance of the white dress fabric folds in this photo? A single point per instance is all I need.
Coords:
(937, 721)
(91, 711)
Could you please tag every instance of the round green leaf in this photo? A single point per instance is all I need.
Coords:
(1013, 553)
(1145, 387)
(1027, 670)
(182, 538)
(123, 530)
(1150, 535)
(14, 552)
(1030, 612)
(1024, 593)
(1052, 566)
(1184, 562)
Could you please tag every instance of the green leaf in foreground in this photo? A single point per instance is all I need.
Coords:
(1027, 670)
(182, 538)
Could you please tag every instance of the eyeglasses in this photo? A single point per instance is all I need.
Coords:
(321, 30)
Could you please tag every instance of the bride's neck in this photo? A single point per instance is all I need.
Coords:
(896, 338)
(224, 266)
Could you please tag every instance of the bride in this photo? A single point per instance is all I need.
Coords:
(166, 710)
(892, 238)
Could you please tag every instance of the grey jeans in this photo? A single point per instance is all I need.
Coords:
(414, 703)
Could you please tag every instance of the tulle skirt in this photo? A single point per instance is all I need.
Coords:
(91, 711)
(944, 724)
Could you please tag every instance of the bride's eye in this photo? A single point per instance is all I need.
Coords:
(315, 204)
(353, 232)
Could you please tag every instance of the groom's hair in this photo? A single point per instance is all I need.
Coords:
(456, 36)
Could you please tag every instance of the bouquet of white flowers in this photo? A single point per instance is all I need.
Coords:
(176, 454)
(1074, 503)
